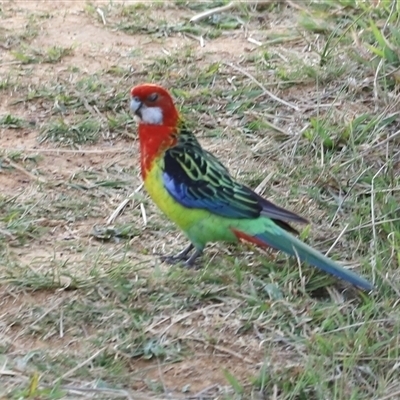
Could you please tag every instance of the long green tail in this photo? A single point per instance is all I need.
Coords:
(289, 244)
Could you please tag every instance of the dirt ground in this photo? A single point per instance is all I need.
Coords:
(57, 302)
(66, 24)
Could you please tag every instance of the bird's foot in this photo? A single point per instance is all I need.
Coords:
(174, 259)
(189, 260)
(181, 256)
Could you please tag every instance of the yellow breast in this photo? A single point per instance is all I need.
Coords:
(183, 217)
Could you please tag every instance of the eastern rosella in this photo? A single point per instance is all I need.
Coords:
(197, 192)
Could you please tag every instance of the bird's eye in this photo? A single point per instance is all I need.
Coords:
(153, 97)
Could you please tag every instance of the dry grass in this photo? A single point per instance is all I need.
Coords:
(299, 99)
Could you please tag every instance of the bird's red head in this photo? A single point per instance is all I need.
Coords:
(159, 122)
(153, 105)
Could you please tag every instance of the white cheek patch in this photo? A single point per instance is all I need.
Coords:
(151, 115)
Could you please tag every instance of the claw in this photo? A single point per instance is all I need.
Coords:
(191, 261)
(181, 256)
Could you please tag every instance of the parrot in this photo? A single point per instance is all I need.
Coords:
(197, 192)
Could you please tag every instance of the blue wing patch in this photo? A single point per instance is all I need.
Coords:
(202, 196)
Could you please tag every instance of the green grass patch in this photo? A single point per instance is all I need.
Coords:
(298, 99)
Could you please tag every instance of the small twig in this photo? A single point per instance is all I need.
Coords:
(24, 171)
(61, 323)
(260, 85)
(369, 224)
(101, 13)
(296, 6)
(115, 392)
(268, 124)
(388, 139)
(376, 86)
(183, 317)
(155, 324)
(216, 10)
(144, 215)
(355, 325)
(365, 152)
(393, 395)
(8, 372)
(47, 312)
(77, 389)
(348, 194)
(122, 205)
(202, 392)
(93, 110)
(6, 233)
(3, 64)
(229, 6)
(337, 239)
(124, 150)
(160, 375)
(79, 366)
(254, 41)
(200, 39)
(374, 233)
(222, 349)
(260, 188)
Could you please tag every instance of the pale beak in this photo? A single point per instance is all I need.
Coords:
(135, 106)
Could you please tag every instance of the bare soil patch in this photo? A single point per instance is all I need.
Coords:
(88, 309)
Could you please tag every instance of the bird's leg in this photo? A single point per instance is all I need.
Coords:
(181, 256)
(191, 261)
